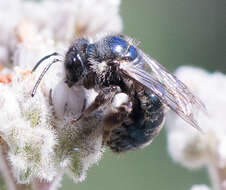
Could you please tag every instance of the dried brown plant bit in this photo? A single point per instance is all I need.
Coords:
(25, 30)
(5, 78)
(23, 72)
(80, 30)
(1, 140)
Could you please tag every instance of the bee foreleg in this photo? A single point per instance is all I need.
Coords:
(105, 96)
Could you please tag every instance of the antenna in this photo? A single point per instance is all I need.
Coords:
(43, 59)
(42, 74)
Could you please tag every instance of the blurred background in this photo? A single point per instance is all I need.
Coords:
(176, 32)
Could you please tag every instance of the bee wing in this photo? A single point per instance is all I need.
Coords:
(170, 90)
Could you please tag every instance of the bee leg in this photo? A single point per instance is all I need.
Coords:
(143, 124)
(105, 96)
(118, 114)
(51, 97)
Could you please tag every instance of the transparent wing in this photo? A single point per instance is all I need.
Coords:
(170, 90)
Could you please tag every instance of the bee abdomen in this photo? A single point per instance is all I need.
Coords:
(145, 123)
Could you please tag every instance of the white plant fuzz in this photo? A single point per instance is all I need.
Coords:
(72, 18)
(40, 136)
(200, 187)
(80, 142)
(190, 147)
(27, 131)
(43, 140)
(67, 100)
(194, 146)
(104, 17)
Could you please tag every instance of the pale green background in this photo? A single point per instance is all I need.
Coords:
(175, 32)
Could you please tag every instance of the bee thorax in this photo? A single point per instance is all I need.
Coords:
(100, 68)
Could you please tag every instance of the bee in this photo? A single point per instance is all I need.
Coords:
(113, 65)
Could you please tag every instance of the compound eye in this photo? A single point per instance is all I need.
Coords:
(71, 61)
(74, 67)
(131, 54)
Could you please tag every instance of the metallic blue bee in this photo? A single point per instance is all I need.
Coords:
(114, 64)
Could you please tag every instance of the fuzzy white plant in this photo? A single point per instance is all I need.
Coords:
(200, 187)
(40, 141)
(190, 147)
(57, 21)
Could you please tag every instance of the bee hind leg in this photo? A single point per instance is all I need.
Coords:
(121, 108)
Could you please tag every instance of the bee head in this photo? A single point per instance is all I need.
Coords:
(74, 62)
